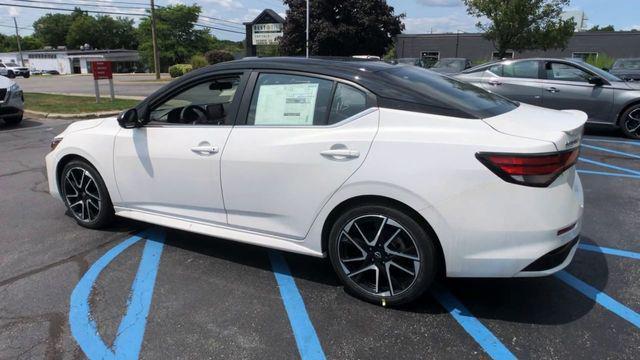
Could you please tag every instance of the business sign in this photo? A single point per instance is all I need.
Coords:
(266, 34)
(101, 70)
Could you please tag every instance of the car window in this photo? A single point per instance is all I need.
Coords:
(293, 100)
(627, 64)
(496, 69)
(347, 102)
(206, 103)
(2, 65)
(521, 69)
(566, 72)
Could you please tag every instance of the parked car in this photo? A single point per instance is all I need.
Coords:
(627, 69)
(11, 101)
(395, 172)
(451, 65)
(408, 61)
(562, 84)
(11, 70)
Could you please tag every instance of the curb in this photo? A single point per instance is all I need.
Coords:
(72, 116)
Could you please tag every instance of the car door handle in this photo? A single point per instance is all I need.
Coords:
(495, 82)
(553, 90)
(341, 153)
(205, 149)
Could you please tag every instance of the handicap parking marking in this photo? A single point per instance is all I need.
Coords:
(630, 142)
(611, 151)
(600, 297)
(131, 329)
(619, 168)
(483, 336)
(604, 173)
(610, 251)
(303, 330)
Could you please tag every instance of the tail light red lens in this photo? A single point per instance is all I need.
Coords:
(538, 170)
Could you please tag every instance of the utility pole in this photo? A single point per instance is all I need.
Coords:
(154, 40)
(457, 41)
(307, 42)
(15, 22)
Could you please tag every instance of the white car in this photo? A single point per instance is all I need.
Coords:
(11, 70)
(395, 172)
(11, 101)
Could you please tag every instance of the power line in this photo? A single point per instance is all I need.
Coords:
(83, 4)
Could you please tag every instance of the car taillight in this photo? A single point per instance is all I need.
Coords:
(538, 170)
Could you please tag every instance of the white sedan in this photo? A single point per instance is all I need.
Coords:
(396, 173)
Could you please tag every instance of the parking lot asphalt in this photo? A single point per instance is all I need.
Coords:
(138, 86)
(140, 291)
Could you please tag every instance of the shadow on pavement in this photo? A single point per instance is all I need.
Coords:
(26, 123)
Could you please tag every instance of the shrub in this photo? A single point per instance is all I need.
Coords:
(602, 61)
(178, 70)
(198, 61)
(218, 56)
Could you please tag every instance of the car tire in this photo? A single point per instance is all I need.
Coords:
(630, 122)
(85, 195)
(404, 254)
(11, 75)
(13, 120)
(26, 76)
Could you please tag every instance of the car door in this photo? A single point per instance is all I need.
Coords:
(516, 80)
(566, 86)
(303, 136)
(171, 166)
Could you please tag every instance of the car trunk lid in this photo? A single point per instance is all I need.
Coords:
(562, 128)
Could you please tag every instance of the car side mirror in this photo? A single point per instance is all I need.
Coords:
(128, 119)
(606, 69)
(595, 80)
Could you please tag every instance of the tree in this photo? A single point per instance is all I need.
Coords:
(52, 29)
(341, 27)
(597, 28)
(178, 39)
(102, 32)
(522, 24)
(217, 56)
(9, 43)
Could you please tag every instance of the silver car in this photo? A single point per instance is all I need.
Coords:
(11, 101)
(564, 84)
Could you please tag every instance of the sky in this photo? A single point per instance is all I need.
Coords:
(422, 16)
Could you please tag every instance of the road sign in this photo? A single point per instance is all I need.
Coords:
(102, 70)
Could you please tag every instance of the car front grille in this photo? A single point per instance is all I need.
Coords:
(3, 94)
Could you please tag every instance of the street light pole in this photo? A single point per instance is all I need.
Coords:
(307, 39)
(154, 41)
(15, 22)
(457, 41)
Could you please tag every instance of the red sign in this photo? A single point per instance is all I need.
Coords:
(101, 70)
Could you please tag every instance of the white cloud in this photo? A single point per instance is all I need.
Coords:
(451, 23)
(442, 3)
(13, 11)
(227, 4)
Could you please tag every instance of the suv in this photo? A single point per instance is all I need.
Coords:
(11, 70)
(11, 101)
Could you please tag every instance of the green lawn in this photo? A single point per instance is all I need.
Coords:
(63, 104)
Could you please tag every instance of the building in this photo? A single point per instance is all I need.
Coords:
(75, 61)
(616, 44)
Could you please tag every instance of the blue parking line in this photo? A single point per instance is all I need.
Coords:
(303, 331)
(617, 152)
(589, 161)
(600, 297)
(590, 172)
(483, 336)
(131, 330)
(610, 251)
(635, 143)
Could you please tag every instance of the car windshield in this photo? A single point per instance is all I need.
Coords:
(450, 64)
(11, 64)
(630, 64)
(424, 87)
(601, 72)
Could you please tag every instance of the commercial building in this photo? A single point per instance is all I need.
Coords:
(75, 61)
(616, 44)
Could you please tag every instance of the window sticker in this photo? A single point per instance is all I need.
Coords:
(287, 104)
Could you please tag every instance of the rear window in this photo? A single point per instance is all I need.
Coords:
(442, 95)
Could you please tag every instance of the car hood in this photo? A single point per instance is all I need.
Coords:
(5, 83)
(563, 128)
(83, 125)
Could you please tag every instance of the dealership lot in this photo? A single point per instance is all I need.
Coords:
(171, 294)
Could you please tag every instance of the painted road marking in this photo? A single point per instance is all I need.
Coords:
(303, 331)
(635, 143)
(483, 336)
(617, 152)
(600, 297)
(603, 173)
(589, 161)
(131, 330)
(610, 251)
